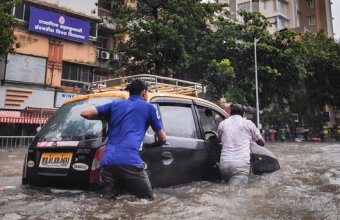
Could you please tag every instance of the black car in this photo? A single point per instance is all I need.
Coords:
(68, 149)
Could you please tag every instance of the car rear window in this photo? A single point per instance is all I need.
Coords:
(67, 124)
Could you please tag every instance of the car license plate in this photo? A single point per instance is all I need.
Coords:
(55, 160)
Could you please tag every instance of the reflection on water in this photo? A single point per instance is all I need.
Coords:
(306, 187)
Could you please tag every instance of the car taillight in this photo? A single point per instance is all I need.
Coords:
(95, 168)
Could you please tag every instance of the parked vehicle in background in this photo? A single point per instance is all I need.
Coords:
(68, 149)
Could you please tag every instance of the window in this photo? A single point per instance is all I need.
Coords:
(69, 125)
(102, 39)
(22, 11)
(244, 6)
(280, 23)
(102, 42)
(311, 3)
(93, 29)
(209, 119)
(311, 20)
(282, 6)
(178, 120)
(105, 4)
(76, 75)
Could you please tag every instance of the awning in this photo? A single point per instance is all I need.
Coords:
(6, 113)
(20, 120)
(27, 116)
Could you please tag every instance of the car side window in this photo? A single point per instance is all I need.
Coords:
(178, 120)
(218, 118)
(210, 119)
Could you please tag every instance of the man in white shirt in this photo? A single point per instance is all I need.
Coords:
(236, 134)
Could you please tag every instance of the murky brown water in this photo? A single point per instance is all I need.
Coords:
(306, 187)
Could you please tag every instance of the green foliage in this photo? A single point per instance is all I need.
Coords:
(191, 40)
(255, 25)
(323, 81)
(219, 78)
(276, 118)
(168, 38)
(7, 21)
(280, 60)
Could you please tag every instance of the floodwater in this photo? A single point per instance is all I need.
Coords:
(306, 187)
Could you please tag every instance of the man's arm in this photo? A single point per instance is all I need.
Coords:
(161, 137)
(261, 142)
(256, 134)
(90, 113)
(160, 140)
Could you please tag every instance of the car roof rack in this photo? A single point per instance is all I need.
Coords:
(155, 84)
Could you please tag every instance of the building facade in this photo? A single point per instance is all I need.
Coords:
(315, 16)
(299, 15)
(64, 46)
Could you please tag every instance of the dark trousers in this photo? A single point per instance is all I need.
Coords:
(130, 178)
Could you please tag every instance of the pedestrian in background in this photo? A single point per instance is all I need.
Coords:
(272, 134)
(236, 134)
(128, 121)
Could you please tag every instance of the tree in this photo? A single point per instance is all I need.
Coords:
(281, 60)
(321, 85)
(218, 78)
(7, 22)
(167, 37)
(323, 79)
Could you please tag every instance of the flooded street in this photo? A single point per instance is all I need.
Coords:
(306, 187)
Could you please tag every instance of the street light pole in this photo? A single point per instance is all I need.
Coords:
(256, 86)
(256, 80)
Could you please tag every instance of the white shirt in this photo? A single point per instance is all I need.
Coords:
(236, 134)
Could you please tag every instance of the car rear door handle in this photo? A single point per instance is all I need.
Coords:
(167, 155)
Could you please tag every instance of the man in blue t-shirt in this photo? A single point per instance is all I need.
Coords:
(128, 121)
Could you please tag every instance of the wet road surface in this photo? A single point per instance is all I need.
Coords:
(306, 187)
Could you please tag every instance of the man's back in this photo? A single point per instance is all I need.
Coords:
(236, 134)
(128, 121)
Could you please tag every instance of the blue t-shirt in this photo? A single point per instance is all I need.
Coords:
(128, 121)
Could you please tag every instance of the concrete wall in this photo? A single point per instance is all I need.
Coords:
(31, 44)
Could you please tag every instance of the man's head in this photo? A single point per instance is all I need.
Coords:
(236, 109)
(137, 87)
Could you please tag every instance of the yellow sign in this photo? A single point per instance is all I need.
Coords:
(55, 160)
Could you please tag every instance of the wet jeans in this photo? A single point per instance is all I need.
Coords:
(235, 173)
(133, 179)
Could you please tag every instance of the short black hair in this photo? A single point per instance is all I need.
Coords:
(136, 87)
(236, 109)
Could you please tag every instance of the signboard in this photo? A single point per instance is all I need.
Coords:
(59, 25)
(61, 97)
(23, 97)
(23, 68)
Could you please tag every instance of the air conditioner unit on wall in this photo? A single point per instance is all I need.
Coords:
(98, 53)
(105, 55)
